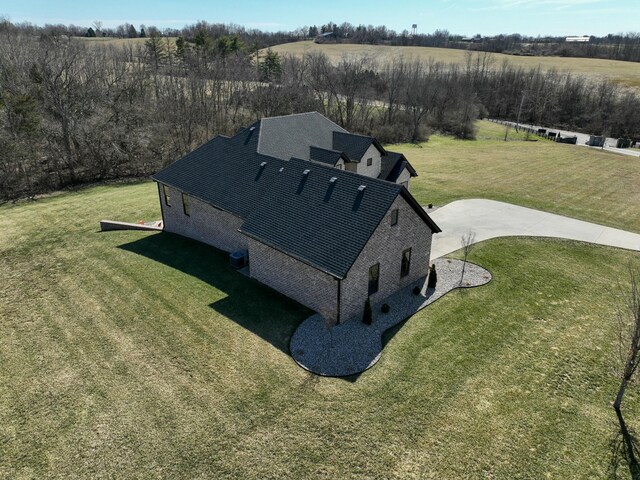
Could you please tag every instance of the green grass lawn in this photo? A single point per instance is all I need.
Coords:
(134, 354)
(583, 183)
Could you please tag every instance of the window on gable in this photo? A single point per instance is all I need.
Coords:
(339, 166)
(394, 217)
(369, 162)
(406, 263)
(186, 206)
(167, 196)
(374, 277)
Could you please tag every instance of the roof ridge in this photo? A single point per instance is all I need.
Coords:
(357, 135)
(307, 113)
(326, 149)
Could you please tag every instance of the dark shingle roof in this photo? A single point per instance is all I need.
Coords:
(323, 224)
(329, 157)
(354, 145)
(326, 224)
(218, 173)
(393, 164)
(292, 135)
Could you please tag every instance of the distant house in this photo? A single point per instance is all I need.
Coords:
(324, 37)
(578, 39)
(325, 216)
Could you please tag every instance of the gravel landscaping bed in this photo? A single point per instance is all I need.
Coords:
(353, 347)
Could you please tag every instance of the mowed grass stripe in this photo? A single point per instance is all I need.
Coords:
(147, 355)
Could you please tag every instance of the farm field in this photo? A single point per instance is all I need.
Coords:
(624, 73)
(121, 42)
(583, 183)
(139, 354)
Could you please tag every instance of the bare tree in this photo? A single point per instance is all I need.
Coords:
(467, 241)
(629, 323)
(629, 343)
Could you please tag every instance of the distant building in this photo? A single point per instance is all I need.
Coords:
(582, 39)
(475, 39)
(325, 37)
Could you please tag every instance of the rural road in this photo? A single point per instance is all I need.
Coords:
(492, 219)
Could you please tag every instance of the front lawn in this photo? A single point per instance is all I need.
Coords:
(137, 355)
(580, 182)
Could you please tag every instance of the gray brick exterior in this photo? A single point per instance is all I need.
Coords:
(307, 285)
(299, 281)
(385, 247)
(204, 223)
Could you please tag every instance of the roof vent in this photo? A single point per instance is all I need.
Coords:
(263, 164)
(333, 179)
(252, 129)
(361, 188)
(281, 169)
(306, 172)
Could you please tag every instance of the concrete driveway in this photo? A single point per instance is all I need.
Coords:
(491, 219)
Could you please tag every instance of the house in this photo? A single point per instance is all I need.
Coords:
(325, 216)
(578, 39)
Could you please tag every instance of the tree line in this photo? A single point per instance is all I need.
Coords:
(72, 113)
(622, 46)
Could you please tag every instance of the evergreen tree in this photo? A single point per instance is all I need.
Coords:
(433, 277)
(180, 46)
(271, 67)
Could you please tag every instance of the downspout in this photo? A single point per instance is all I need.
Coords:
(339, 289)
(160, 194)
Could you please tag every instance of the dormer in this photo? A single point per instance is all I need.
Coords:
(365, 152)
(333, 158)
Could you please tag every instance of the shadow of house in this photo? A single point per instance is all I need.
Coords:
(255, 307)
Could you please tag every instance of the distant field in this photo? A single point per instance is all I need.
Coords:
(625, 73)
(119, 42)
(584, 183)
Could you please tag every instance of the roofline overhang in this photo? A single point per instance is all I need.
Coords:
(197, 197)
(419, 210)
(289, 254)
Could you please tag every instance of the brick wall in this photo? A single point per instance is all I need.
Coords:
(299, 281)
(205, 223)
(307, 285)
(386, 247)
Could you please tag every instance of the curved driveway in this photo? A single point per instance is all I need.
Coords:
(491, 219)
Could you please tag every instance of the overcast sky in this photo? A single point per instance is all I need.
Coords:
(466, 17)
